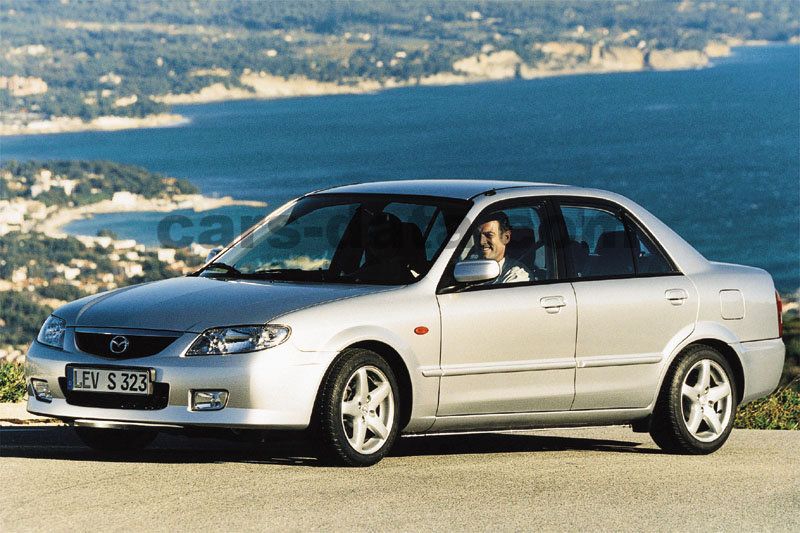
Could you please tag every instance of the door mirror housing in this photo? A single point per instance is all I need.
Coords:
(476, 271)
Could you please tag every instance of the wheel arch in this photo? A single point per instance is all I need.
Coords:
(730, 356)
(396, 363)
(714, 336)
(419, 395)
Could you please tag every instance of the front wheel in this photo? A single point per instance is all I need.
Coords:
(358, 410)
(115, 440)
(695, 410)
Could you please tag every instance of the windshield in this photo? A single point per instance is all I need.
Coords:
(371, 239)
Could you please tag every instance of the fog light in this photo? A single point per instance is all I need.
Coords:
(41, 389)
(209, 400)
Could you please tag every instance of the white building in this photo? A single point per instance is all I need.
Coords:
(132, 269)
(124, 199)
(70, 273)
(90, 241)
(83, 263)
(19, 275)
(12, 213)
(166, 255)
(199, 249)
(124, 244)
(67, 185)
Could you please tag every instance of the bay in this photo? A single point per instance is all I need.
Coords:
(715, 153)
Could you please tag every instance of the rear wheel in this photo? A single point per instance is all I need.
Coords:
(697, 404)
(357, 411)
(115, 440)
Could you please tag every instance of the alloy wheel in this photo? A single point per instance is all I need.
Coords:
(706, 400)
(367, 409)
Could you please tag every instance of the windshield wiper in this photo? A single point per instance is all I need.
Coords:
(222, 266)
(274, 273)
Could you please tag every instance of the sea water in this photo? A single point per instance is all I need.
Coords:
(715, 153)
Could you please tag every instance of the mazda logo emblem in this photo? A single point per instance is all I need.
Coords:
(119, 344)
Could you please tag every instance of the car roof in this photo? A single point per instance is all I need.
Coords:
(463, 189)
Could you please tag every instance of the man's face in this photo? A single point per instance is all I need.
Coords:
(492, 241)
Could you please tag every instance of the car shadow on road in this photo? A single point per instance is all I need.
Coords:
(508, 443)
(61, 443)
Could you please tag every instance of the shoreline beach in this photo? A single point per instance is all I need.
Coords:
(104, 123)
(53, 225)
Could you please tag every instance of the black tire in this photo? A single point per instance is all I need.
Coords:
(115, 440)
(668, 428)
(330, 431)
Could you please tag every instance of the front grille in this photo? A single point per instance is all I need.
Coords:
(138, 345)
(110, 400)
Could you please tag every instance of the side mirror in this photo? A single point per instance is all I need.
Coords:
(475, 271)
(212, 253)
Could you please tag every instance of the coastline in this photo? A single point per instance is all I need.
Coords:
(473, 70)
(53, 224)
(103, 123)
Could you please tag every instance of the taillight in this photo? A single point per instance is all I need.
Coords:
(779, 305)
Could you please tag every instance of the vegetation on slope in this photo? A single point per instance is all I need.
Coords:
(92, 54)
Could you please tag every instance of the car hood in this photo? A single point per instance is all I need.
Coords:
(195, 304)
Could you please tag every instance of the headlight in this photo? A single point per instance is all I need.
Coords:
(238, 339)
(52, 332)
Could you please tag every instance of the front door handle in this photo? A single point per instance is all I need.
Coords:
(553, 304)
(676, 296)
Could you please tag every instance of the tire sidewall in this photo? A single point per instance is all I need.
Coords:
(341, 372)
(675, 397)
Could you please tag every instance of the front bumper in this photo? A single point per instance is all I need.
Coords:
(272, 389)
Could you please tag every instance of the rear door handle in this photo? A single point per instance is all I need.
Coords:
(676, 296)
(553, 304)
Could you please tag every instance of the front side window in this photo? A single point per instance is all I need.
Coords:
(372, 239)
(518, 238)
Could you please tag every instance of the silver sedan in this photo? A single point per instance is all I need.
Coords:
(362, 312)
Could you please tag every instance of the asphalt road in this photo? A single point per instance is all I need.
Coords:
(581, 479)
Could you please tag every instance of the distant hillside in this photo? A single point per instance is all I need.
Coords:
(134, 58)
(71, 183)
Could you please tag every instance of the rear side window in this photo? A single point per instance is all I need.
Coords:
(598, 243)
(601, 244)
(649, 259)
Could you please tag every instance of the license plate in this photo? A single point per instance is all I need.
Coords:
(116, 380)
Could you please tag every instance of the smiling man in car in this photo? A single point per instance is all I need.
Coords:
(494, 234)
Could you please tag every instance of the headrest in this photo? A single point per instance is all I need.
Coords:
(612, 240)
(412, 236)
(384, 220)
(384, 232)
(522, 237)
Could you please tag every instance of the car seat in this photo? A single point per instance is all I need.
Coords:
(613, 254)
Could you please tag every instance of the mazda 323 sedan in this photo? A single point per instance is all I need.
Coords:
(367, 311)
